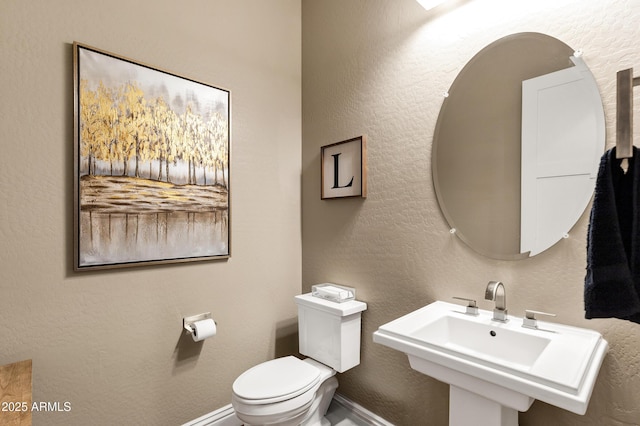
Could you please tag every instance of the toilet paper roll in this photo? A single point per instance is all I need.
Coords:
(203, 329)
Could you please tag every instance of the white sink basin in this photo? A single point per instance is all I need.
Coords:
(484, 339)
(504, 362)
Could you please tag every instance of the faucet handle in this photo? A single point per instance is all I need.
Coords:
(530, 320)
(472, 307)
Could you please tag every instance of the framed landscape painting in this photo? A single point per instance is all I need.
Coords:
(152, 154)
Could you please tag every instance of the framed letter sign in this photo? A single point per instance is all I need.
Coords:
(344, 169)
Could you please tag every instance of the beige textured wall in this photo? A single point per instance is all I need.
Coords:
(379, 67)
(110, 342)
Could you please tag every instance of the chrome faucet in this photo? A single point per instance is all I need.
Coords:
(495, 291)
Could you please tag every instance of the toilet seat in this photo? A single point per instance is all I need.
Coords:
(277, 380)
(293, 391)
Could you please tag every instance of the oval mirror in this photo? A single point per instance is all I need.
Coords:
(517, 146)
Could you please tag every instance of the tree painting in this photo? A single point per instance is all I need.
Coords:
(152, 155)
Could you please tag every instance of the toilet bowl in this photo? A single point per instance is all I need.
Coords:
(285, 391)
(289, 391)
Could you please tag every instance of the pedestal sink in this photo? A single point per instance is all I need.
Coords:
(496, 369)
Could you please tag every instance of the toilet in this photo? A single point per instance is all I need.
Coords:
(289, 391)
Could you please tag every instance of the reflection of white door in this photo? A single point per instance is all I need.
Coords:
(559, 164)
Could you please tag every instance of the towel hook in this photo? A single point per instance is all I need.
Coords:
(624, 105)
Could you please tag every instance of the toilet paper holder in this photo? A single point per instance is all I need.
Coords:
(187, 322)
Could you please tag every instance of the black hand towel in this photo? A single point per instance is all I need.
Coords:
(612, 283)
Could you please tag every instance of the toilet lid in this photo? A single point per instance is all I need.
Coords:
(280, 378)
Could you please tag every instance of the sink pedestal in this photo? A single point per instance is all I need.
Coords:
(467, 408)
(469, 402)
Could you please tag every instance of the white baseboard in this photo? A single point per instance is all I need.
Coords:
(226, 416)
(357, 410)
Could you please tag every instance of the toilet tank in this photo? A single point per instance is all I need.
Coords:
(329, 332)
